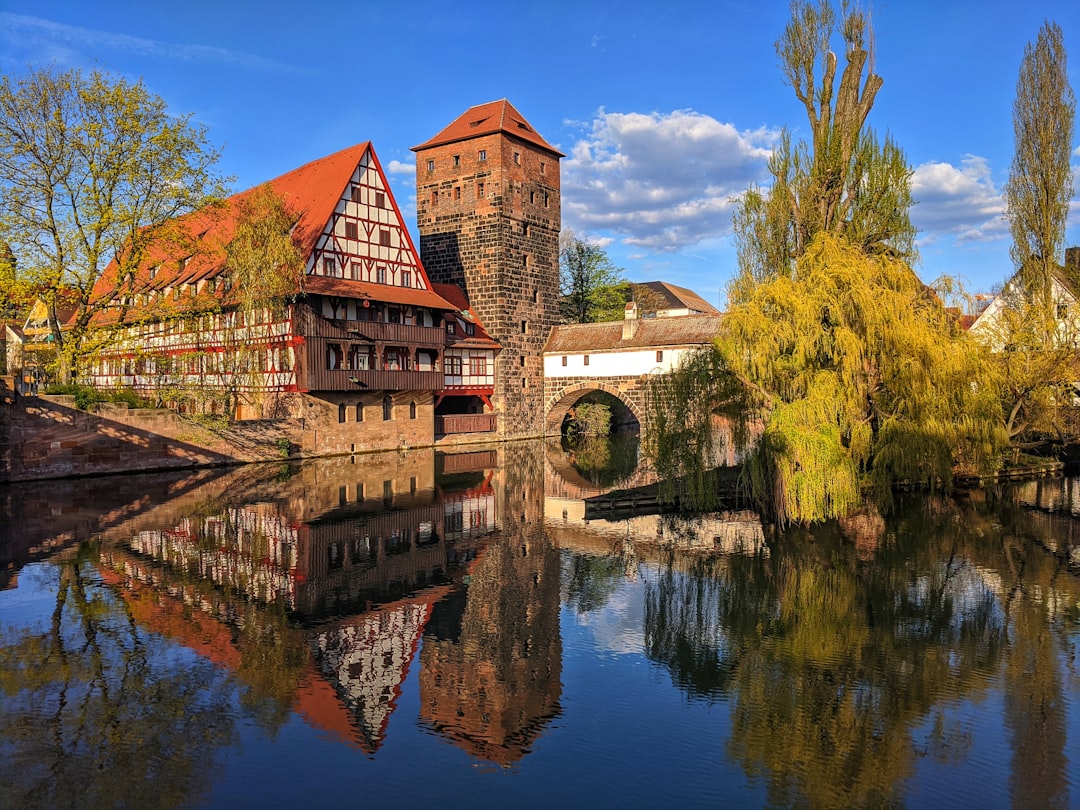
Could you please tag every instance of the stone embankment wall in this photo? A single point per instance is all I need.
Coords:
(48, 437)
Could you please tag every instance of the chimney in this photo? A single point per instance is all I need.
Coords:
(630, 321)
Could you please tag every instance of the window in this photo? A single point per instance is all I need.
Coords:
(380, 199)
(524, 228)
(478, 366)
(479, 189)
(541, 167)
(524, 327)
(334, 355)
(451, 328)
(586, 359)
(359, 418)
(434, 198)
(545, 200)
(457, 192)
(153, 272)
(380, 275)
(412, 410)
(341, 412)
(354, 194)
(564, 359)
(431, 165)
(355, 270)
(453, 366)
(329, 266)
(470, 329)
(384, 237)
(525, 260)
(457, 161)
(350, 230)
(481, 155)
(659, 355)
(387, 408)
(517, 158)
(406, 278)
(532, 199)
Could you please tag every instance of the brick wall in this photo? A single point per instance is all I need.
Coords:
(502, 247)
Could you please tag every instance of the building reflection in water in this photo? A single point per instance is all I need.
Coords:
(315, 583)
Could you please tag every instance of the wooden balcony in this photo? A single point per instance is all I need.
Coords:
(343, 379)
(316, 326)
(465, 423)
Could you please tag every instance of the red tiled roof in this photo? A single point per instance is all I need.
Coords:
(680, 297)
(347, 288)
(481, 339)
(685, 330)
(488, 119)
(312, 191)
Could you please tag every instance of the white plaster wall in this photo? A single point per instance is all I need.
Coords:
(626, 363)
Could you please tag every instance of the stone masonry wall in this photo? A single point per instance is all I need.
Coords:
(501, 245)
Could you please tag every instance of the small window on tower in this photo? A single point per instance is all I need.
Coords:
(457, 192)
(541, 167)
(457, 161)
(586, 360)
(517, 158)
(524, 327)
(431, 165)
(434, 197)
(479, 189)
(482, 154)
(350, 230)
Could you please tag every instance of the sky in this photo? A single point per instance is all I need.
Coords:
(666, 111)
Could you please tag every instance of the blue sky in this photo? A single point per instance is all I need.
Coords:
(665, 110)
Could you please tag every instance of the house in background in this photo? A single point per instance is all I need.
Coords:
(668, 300)
(991, 327)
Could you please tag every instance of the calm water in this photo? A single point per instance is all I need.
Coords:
(427, 630)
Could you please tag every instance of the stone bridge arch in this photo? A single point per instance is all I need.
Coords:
(562, 396)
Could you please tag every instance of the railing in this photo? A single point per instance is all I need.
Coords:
(465, 423)
(371, 331)
(466, 462)
(343, 379)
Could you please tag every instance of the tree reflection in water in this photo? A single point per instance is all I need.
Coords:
(835, 649)
(128, 723)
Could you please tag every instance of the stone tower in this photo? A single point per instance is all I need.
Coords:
(488, 212)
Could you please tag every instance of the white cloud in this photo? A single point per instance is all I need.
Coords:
(958, 202)
(63, 41)
(660, 181)
(398, 167)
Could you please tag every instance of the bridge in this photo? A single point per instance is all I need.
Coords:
(617, 358)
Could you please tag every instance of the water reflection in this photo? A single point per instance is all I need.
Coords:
(848, 659)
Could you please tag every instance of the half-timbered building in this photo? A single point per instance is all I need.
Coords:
(364, 338)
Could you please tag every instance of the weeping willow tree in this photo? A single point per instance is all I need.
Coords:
(846, 362)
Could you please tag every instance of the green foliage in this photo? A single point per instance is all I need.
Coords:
(590, 418)
(592, 288)
(859, 378)
(845, 181)
(1041, 178)
(86, 398)
(263, 262)
(92, 168)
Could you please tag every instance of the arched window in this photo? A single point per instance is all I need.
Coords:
(359, 411)
(387, 408)
(341, 412)
(412, 410)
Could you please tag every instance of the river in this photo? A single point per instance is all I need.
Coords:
(417, 629)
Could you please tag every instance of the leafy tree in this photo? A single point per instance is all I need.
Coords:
(844, 182)
(846, 364)
(1040, 179)
(92, 167)
(592, 287)
(263, 262)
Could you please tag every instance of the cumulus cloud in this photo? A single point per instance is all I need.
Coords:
(61, 40)
(960, 202)
(398, 167)
(660, 181)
